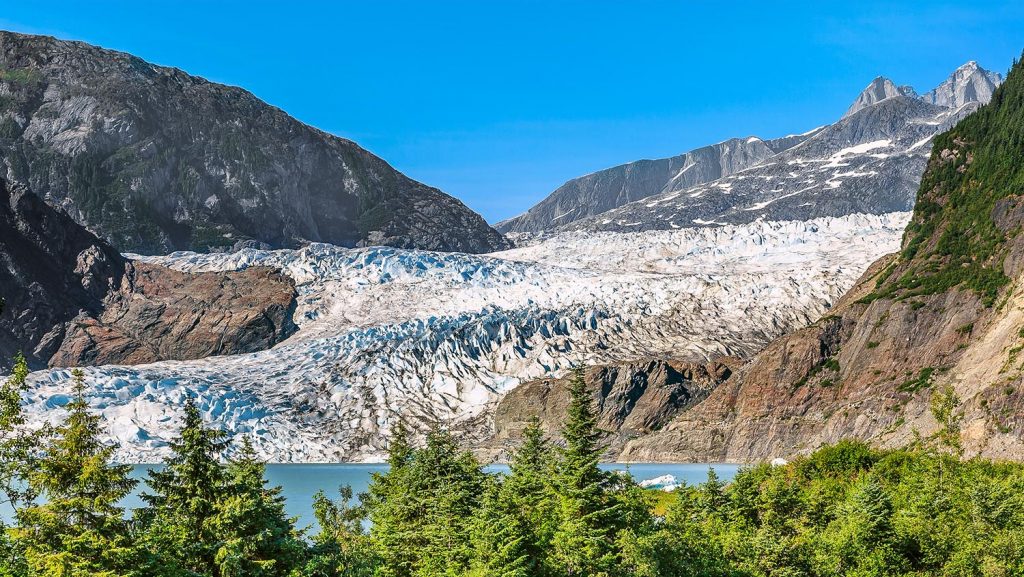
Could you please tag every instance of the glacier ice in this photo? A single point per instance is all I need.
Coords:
(438, 337)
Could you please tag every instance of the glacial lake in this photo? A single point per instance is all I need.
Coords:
(301, 482)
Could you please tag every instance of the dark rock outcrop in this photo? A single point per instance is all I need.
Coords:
(159, 313)
(51, 270)
(71, 299)
(153, 160)
(631, 399)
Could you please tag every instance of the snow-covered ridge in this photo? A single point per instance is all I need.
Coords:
(440, 336)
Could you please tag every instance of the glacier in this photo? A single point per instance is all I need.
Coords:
(429, 337)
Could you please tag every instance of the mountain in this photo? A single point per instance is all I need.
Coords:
(942, 314)
(606, 189)
(154, 160)
(470, 341)
(71, 299)
(870, 161)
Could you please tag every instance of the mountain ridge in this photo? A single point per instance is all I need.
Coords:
(592, 206)
(155, 159)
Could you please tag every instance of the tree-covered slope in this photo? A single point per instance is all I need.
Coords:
(154, 160)
(969, 206)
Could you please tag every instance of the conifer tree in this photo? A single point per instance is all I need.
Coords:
(342, 547)
(584, 542)
(79, 529)
(18, 457)
(393, 508)
(256, 536)
(422, 509)
(17, 446)
(501, 537)
(182, 504)
(519, 515)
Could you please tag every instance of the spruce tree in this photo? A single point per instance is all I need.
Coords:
(422, 509)
(79, 529)
(501, 537)
(584, 542)
(18, 457)
(256, 536)
(448, 483)
(526, 499)
(182, 504)
(393, 508)
(17, 446)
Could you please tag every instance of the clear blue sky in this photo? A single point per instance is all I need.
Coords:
(499, 102)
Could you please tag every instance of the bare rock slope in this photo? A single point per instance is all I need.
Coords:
(632, 399)
(869, 161)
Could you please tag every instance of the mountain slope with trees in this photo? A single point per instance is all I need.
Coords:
(946, 311)
(155, 160)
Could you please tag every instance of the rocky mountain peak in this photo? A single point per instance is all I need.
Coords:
(943, 314)
(968, 83)
(880, 89)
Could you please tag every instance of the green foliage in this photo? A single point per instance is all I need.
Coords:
(517, 522)
(922, 381)
(79, 529)
(975, 172)
(180, 518)
(254, 535)
(342, 547)
(422, 508)
(846, 509)
(584, 542)
(18, 456)
(851, 510)
(20, 76)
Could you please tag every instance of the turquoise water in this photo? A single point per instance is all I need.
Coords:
(301, 482)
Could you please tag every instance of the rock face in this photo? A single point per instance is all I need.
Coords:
(72, 300)
(153, 160)
(870, 161)
(632, 400)
(159, 314)
(946, 311)
(50, 270)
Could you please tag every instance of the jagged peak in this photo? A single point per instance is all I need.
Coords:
(968, 83)
(881, 88)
